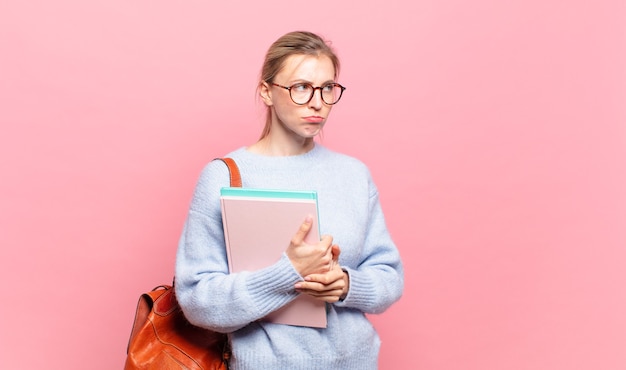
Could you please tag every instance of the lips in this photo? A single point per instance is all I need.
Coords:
(314, 119)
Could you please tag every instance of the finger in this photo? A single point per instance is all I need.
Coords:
(326, 278)
(328, 240)
(319, 287)
(317, 278)
(320, 283)
(336, 252)
(298, 238)
(328, 296)
(321, 293)
(310, 287)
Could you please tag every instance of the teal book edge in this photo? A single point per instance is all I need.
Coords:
(268, 193)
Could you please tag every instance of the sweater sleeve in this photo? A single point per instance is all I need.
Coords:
(209, 296)
(378, 281)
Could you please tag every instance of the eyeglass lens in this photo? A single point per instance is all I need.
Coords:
(303, 93)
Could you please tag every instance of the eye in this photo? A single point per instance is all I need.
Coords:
(301, 87)
(328, 87)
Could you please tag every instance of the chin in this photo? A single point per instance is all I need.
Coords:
(311, 133)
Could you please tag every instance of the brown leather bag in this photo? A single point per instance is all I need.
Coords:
(163, 339)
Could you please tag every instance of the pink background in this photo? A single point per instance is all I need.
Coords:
(496, 132)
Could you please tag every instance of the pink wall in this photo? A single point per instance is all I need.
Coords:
(496, 132)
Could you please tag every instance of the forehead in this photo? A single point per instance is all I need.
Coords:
(307, 67)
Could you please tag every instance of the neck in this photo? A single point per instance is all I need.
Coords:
(270, 146)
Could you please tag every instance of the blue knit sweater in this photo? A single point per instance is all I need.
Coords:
(349, 210)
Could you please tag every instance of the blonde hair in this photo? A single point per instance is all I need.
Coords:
(292, 43)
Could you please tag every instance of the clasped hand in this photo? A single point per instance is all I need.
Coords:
(319, 265)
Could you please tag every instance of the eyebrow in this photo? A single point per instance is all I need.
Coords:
(311, 83)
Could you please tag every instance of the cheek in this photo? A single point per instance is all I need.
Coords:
(285, 109)
(282, 113)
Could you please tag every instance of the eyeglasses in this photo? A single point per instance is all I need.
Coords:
(302, 93)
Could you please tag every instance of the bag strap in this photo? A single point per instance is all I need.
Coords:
(235, 175)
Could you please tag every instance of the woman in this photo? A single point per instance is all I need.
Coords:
(355, 268)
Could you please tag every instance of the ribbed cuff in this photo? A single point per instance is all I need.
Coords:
(360, 293)
(273, 287)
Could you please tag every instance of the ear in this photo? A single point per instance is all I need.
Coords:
(265, 93)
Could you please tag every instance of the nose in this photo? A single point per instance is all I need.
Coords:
(316, 101)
